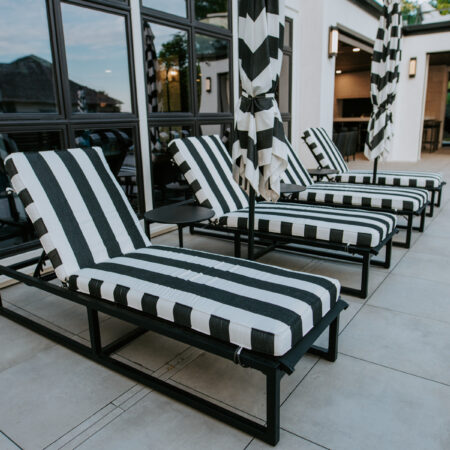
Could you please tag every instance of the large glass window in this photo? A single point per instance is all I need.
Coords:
(27, 83)
(97, 60)
(189, 82)
(212, 12)
(44, 102)
(284, 90)
(177, 7)
(213, 76)
(15, 228)
(167, 64)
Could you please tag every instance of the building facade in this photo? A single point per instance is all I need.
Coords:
(130, 75)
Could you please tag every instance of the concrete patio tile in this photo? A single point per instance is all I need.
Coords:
(433, 245)
(288, 441)
(409, 343)
(157, 422)
(287, 260)
(152, 350)
(18, 344)
(423, 298)
(353, 404)
(235, 386)
(48, 395)
(424, 266)
(111, 329)
(345, 317)
(349, 274)
(6, 443)
(439, 226)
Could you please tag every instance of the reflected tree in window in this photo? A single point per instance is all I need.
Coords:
(213, 12)
(173, 62)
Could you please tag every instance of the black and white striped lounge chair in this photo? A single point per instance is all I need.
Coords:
(256, 315)
(206, 165)
(407, 202)
(328, 156)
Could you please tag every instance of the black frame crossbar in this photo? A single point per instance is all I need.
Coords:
(276, 241)
(274, 368)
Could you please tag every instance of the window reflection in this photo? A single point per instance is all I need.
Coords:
(167, 66)
(213, 74)
(223, 130)
(213, 12)
(15, 228)
(26, 66)
(169, 185)
(283, 95)
(97, 60)
(177, 7)
(118, 147)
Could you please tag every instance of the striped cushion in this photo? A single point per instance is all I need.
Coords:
(370, 196)
(206, 165)
(324, 150)
(295, 172)
(338, 225)
(252, 305)
(79, 211)
(428, 180)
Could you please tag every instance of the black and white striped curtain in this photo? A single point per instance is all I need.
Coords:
(260, 152)
(384, 79)
(151, 68)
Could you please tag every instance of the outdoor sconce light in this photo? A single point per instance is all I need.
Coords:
(412, 67)
(208, 84)
(333, 42)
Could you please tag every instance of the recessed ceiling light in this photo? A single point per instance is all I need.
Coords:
(338, 71)
(108, 71)
(356, 49)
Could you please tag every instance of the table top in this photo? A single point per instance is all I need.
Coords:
(351, 119)
(287, 188)
(318, 172)
(179, 214)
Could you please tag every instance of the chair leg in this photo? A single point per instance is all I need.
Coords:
(388, 256)
(409, 228)
(273, 379)
(422, 220)
(94, 331)
(438, 203)
(362, 292)
(432, 202)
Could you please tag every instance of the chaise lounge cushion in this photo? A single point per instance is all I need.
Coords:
(97, 247)
(328, 156)
(252, 305)
(335, 225)
(348, 194)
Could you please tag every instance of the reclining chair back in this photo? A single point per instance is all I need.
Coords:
(324, 150)
(207, 167)
(79, 212)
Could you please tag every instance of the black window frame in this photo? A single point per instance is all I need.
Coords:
(288, 51)
(193, 118)
(64, 120)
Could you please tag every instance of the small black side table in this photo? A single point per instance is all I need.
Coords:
(320, 173)
(287, 188)
(180, 215)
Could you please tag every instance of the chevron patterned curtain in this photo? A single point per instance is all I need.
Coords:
(151, 67)
(260, 152)
(384, 80)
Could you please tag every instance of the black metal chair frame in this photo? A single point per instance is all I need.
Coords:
(274, 368)
(274, 241)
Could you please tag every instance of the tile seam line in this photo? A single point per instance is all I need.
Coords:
(395, 370)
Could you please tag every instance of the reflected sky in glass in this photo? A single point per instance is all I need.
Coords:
(96, 50)
(26, 72)
(23, 30)
(177, 7)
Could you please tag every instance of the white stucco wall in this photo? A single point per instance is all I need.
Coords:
(314, 71)
(411, 96)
